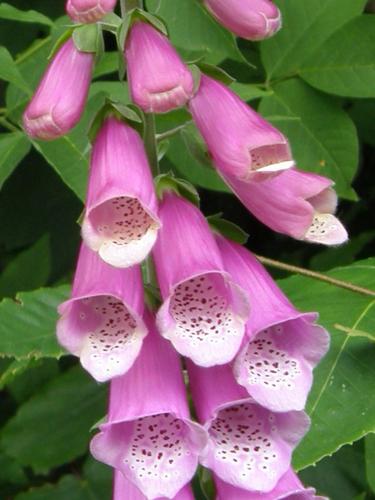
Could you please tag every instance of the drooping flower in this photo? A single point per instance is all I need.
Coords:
(249, 446)
(250, 19)
(148, 435)
(158, 79)
(89, 11)
(121, 221)
(296, 203)
(240, 141)
(60, 98)
(102, 321)
(282, 344)
(204, 311)
(289, 487)
(123, 489)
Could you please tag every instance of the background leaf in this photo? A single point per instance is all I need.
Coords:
(13, 148)
(9, 12)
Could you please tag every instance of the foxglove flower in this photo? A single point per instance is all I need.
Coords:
(282, 346)
(89, 11)
(102, 321)
(249, 446)
(60, 98)
(240, 141)
(158, 79)
(296, 203)
(126, 490)
(121, 221)
(250, 19)
(289, 487)
(204, 311)
(148, 435)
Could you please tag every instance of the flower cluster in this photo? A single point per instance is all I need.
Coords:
(249, 354)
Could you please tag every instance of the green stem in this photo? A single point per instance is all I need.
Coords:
(315, 275)
(7, 124)
(172, 131)
(150, 143)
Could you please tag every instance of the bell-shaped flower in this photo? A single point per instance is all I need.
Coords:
(60, 98)
(249, 446)
(148, 434)
(89, 11)
(250, 19)
(120, 221)
(289, 487)
(204, 311)
(102, 321)
(297, 203)
(241, 143)
(282, 345)
(157, 77)
(123, 489)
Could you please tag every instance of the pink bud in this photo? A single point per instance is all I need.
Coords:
(89, 11)
(158, 79)
(251, 19)
(240, 141)
(58, 102)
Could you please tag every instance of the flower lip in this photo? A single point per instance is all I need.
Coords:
(122, 229)
(236, 436)
(43, 126)
(203, 312)
(101, 329)
(158, 452)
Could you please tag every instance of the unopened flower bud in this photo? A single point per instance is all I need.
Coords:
(89, 11)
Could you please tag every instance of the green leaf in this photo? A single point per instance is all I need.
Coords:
(86, 37)
(346, 66)
(108, 64)
(25, 16)
(194, 32)
(339, 404)
(307, 25)
(190, 160)
(29, 381)
(362, 113)
(14, 368)
(59, 415)
(27, 324)
(370, 460)
(10, 72)
(227, 228)
(322, 136)
(69, 487)
(99, 479)
(28, 270)
(249, 91)
(11, 471)
(13, 148)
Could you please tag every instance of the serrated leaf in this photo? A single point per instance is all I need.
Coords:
(26, 16)
(27, 324)
(15, 368)
(306, 27)
(194, 32)
(10, 72)
(346, 66)
(69, 487)
(28, 270)
(13, 148)
(339, 405)
(323, 137)
(60, 416)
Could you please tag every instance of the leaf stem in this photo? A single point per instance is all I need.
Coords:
(315, 275)
(150, 143)
(172, 131)
(7, 124)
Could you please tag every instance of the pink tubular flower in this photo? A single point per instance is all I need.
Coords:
(121, 220)
(102, 322)
(240, 141)
(60, 98)
(289, 487)
(158, 79)
(295, 203)
(89, 11)
(249, 446)
(148, 435)
(283, 345)
(250, 19)
(204, 311)
(126, 490)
